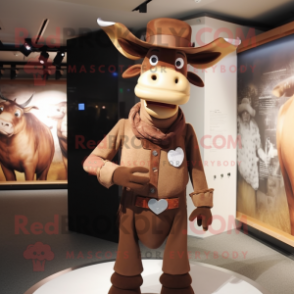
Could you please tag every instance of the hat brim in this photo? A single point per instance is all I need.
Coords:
(116, 31)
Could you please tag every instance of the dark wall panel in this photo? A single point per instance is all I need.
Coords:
(94, 82)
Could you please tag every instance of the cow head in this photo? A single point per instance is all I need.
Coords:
(12, 116)
(58, 111)
(164, 81)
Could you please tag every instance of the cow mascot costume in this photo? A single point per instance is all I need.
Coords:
(159, 151)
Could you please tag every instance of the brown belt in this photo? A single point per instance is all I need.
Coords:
(143, 202)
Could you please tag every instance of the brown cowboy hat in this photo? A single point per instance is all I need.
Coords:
(172, 34)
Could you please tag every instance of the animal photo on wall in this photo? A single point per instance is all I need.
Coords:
(265, 126)
(33, 132)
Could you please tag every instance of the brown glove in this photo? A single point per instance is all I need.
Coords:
(203, 215)
(124, 176)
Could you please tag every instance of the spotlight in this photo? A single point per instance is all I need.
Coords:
(27, 47)
(142, 8)
(14, 72)
(28, 44)
(58, 58)
(58, 73)
(43, 57)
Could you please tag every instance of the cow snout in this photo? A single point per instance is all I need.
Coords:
(6, 128)
(169, 80)
(164, 85)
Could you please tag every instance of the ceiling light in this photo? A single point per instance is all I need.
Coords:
(58, 58)
(142, 8)
(197, 1)
(27, 47)
(28, 44)
(43, 57)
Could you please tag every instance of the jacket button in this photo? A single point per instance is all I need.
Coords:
(154, 152)
(154, 169)
(152, 190)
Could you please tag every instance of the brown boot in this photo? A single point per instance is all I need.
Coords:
(125, 284)
(176, 284)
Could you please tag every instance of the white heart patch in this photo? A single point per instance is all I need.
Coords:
(157, 206)
(175, 157)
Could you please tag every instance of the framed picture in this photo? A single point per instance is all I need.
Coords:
(265, 121)
(33, 134)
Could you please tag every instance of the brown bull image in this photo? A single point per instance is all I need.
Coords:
(60, 115)
(159, 151)
(285, 141)
(26, 144)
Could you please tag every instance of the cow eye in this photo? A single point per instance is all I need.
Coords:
(1, 108)
(153, 60)
(17, 113)
(179, 63)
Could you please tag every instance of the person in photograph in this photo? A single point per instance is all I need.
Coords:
(248, 157)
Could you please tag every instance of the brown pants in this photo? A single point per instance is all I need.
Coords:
(142, 224)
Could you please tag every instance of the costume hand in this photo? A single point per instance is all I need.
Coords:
(203, 215)
(124, 176)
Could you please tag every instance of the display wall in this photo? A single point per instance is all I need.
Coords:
(211, 112)
(37, 139)
(265, 172)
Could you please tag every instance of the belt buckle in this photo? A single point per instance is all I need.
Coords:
(158, 206)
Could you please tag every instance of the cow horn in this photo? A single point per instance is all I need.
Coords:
(116, 31)
(103, 23)
(26, 103)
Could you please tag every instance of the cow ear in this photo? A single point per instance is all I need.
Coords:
(133, 50)
(194, 79)
(28, 109)
(132, 71)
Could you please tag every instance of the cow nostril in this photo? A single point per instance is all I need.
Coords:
(154, 77)
(176, 80)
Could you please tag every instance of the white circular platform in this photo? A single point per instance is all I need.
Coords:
(95, 279)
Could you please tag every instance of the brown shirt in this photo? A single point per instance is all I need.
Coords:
(166, 180)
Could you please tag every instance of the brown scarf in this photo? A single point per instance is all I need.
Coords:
(147, 131)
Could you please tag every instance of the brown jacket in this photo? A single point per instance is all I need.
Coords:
(165, 179)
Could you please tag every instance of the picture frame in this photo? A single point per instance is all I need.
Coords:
(41, 90)
(249, 55)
